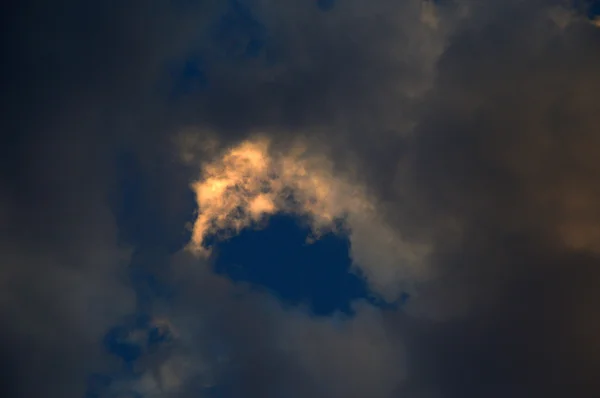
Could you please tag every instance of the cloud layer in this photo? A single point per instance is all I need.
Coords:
(249, 183)
(453, 141)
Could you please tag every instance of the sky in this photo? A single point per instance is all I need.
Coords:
(301, 198)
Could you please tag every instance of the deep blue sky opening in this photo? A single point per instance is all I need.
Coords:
(594, 9)
(278, 259)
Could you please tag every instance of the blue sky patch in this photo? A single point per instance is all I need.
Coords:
(594, 9)
(279, 260)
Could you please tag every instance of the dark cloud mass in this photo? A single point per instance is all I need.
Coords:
(457, 140)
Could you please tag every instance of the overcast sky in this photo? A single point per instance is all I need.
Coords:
(300, 198)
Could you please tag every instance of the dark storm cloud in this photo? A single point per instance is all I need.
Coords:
(504, 146)
(488, 120)
(68, 71)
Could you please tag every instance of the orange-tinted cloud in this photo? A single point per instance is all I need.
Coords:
(250, 182)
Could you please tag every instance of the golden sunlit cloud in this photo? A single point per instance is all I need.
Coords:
(250, 182)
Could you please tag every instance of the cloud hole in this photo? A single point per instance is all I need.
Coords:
(282, 259)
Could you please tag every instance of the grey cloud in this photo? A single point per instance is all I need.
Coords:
(347, 357)
(498, 143)
(502, 147)
(270, 350)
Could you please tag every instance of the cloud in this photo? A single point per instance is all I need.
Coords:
(268, 349)
(248, 183)
(465, 128)
(62, 285)
(529, 140)
(347, 357)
